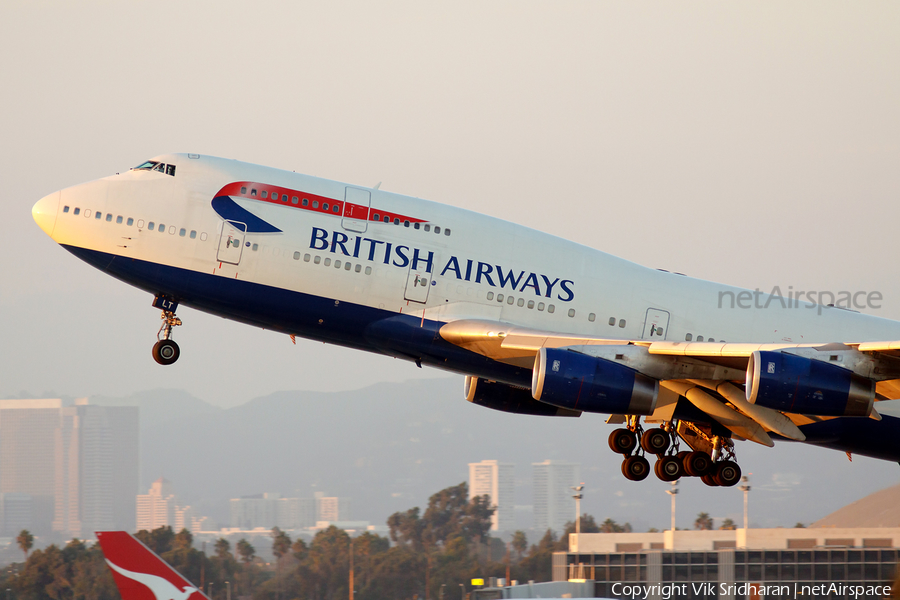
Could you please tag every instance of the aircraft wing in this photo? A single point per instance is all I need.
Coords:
(712, 376)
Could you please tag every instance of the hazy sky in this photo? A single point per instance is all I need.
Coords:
(752, 143)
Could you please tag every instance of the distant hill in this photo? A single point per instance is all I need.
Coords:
(881, 509)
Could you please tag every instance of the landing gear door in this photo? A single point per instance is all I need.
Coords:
(421, 275)
(356, 209)
(656, 325)
(231, 242)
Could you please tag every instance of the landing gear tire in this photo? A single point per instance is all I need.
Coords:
(622, 441)
(697, 464)
(728, 473)
(668, 468)
(655, 441)
(165, 352)
(709, 480)
(635, 468)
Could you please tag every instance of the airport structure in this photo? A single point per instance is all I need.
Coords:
(497, 481)
(67, 469)
(553, 502)
(722, 563)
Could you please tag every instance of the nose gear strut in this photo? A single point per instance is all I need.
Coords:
(165, 350)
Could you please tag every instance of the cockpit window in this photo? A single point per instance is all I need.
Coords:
(152, 165)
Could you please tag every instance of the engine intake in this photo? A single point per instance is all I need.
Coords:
(580, 382)
(507, 398)
(795, 384)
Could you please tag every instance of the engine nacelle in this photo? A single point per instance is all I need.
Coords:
(507, 398)
(580, 382)
(795, 384)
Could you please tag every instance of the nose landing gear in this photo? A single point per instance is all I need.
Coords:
(165, 350)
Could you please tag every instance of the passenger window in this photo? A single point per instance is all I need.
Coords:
(688, 337)
(622, 323)
(108, 217)
(396, 221)
(699, 338)
(571, 312)
(293, 199)
(243, 190)
(335, 209)
(306, 258)
(437, 229)
(65, 209)
(540, 306)
(264, 194)
(306, 202)
(274, 195)
(416, 225)
(203, 237)
(427, 227)
(446, 232)
(77, 211)
(592, 317)
(162, 228)
(368, 270)
(347, 265)
(490, 295)
(521, 302)
(337, 264)
(98, 214)
(358, 268)
(182, 232)
(710, 340)
(296, 256)
(171, 230)
(406, 223)
(129, 222)
(510, 300)
(612, 321)
(193, 234)
(531, 304)
(87, 212)
(252, 192)
(324, 206)
(499, 297)
(317, 259)
(119, 220)
(140, 223)
(315, 204)
(386, 219)
(551, 309)
(327, 262)
(375, 217)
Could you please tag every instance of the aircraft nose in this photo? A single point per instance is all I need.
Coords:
(44, 212)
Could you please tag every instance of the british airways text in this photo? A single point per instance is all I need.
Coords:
(463, 269)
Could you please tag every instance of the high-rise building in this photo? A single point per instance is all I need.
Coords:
(157, 507)
(497, 481)
(78, 465)
(331, 508)
(554, 505)
(271, 510)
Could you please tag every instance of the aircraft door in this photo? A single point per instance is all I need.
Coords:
(656, 324)
(421, 275)
(356, 209)
(231, 242)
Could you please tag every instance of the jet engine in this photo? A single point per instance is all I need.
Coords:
(795, 384)
(577, 381)
(507, 398)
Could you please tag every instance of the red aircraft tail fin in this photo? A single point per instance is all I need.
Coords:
(140, 574)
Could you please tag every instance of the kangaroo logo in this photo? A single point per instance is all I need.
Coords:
(161, 588)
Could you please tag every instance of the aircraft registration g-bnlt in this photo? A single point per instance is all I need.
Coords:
(539, 325)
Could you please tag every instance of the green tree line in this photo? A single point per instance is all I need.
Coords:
(445, 545)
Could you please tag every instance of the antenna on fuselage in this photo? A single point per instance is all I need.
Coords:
(377, 185)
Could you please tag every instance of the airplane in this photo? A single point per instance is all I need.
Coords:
(539, 325)
(140, 574)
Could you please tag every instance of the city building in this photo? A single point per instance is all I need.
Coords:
(331, 508)
(156, 508)
(72, 470)
(497, 481)
(553, 502)
(271, 510)
(722, 563)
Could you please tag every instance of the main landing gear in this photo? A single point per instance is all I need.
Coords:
(165, 350)
(634, 443)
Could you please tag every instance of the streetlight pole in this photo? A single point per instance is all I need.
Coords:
(462, 592)
(351, 568)
(745, 487)
(227, 590)
(673, 492)
(209, 589)
(578, 496)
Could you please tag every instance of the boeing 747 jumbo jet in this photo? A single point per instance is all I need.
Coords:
(539, 325)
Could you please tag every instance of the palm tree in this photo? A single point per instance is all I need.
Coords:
(704, 521)
(25, 541)
(728, 524)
